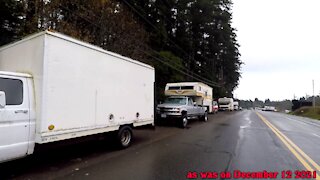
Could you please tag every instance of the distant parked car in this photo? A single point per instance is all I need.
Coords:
(269, 108)
(215, 107)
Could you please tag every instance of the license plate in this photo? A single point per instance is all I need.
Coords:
(163, 115)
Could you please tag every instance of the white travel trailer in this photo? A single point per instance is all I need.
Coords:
(200, 92)
(226, 104)
(54, 87)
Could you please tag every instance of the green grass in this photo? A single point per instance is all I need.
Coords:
(309, 112)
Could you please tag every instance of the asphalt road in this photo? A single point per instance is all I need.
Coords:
(229, 142)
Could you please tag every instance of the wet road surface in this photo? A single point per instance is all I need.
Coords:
(248, 141)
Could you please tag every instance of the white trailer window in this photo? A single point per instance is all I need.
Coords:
(180, 87)
(174, 88)
(13, 89)
(186, 87)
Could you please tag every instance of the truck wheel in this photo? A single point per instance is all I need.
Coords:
(205, 117)
(184, 121)
(124, 136)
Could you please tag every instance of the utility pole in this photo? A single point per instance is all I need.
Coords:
(313, 99)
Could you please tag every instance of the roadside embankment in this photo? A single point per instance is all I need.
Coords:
(310, 112)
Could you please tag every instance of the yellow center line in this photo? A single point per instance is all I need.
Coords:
(299, 150)
(292, 147)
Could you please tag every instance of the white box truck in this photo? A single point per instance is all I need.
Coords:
(226, 104)
(53, 88)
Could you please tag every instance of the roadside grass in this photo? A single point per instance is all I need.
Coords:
(309, 112)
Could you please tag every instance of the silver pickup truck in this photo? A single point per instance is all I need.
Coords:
(181, 109)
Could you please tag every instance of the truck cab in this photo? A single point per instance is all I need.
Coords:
(226, 104)
(17, 116)
(181, 109)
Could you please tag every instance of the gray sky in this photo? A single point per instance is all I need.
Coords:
(280, 46)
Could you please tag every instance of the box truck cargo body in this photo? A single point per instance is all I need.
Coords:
(53, 87)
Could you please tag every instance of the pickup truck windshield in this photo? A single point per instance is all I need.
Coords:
(224, 103)
(182, 101)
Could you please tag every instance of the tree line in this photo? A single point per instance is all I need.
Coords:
(185, 40)
(280, 105)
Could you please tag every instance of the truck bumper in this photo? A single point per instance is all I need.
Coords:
(168, 120)
(169, 115)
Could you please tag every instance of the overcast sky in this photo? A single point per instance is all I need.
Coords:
(280, 46)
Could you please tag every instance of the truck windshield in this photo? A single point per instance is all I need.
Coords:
(13, 89)
(224, 103)
(176, 101)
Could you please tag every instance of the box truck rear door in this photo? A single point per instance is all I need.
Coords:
(14, 118)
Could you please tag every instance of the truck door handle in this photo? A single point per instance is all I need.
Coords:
(21, 111)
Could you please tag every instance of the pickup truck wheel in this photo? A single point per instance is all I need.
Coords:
(184, 121)
(205, 117)
(124, 136)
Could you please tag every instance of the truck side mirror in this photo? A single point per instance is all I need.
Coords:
(2, 99)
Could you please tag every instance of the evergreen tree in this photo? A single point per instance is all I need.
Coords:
(186, 40)
(10, 20)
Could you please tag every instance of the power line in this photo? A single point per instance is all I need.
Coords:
(212, 82)
(182, 72)
(179, 66)
(199, 78)
(168, 64)
(199, 67)
(192, 76)
(181, 49)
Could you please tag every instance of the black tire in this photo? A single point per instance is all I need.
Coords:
(184, 121)
(158, 121)
(124, 137)
(205, 117)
